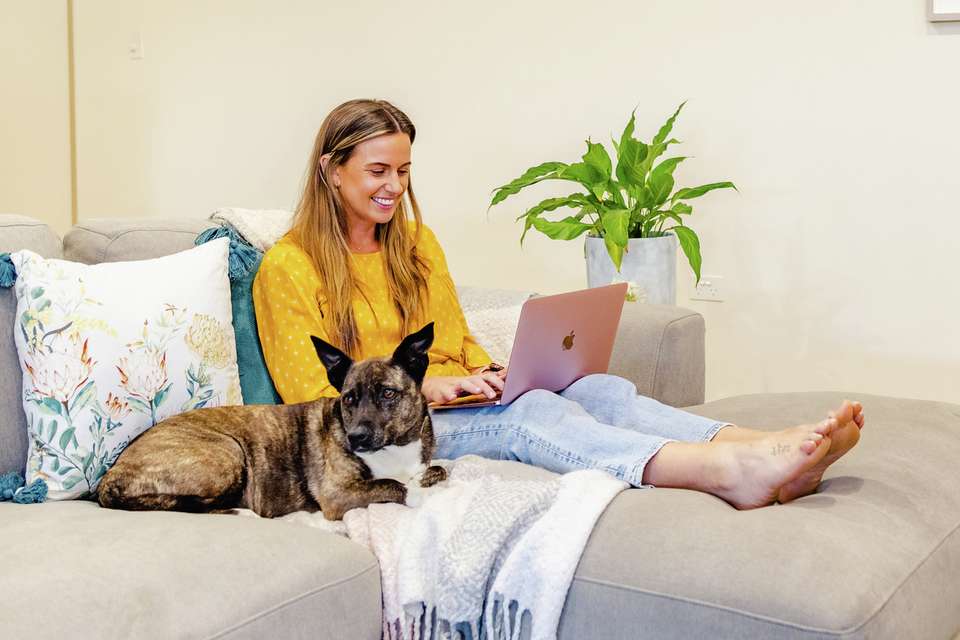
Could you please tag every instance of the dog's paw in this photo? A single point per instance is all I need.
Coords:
(432, 476)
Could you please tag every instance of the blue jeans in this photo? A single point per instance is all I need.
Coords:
(598, 422)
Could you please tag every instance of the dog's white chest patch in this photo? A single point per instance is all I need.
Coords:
(399, 463)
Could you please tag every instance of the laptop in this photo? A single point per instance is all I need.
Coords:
(559, 339)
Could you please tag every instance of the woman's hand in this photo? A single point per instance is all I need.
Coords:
(442, 389)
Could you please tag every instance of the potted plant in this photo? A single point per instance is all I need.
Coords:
(623, 212)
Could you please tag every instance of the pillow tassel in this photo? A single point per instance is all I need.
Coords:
(11, 488)
(8, 274)
(36, 492)
(9, 483)
(243, 257)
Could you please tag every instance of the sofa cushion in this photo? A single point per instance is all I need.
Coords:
(118, 239)
(72, 569)
(16, 233)
(873, 553)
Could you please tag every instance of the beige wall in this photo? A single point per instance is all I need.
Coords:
(837, 120)
(34, 111)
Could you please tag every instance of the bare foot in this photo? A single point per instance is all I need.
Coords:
(849, 418)
(753, 471)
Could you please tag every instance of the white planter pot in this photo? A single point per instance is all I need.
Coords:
(649, 266)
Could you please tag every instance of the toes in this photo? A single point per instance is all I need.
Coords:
(824, 427)
(810, 445)
(845, 413)
(859, 419)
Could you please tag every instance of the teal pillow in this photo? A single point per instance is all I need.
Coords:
(255, 381)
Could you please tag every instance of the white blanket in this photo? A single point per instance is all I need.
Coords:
(477, 546)
(260, 227)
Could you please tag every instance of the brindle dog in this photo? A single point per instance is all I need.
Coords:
(276, 460)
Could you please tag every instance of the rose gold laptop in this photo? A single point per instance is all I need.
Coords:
(559, 339)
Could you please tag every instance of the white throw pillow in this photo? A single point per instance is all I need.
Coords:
(108, 350)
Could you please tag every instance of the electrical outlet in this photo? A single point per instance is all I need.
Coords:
(710, 289)
(135, 47)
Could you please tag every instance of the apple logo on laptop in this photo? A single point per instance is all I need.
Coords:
(568, 342)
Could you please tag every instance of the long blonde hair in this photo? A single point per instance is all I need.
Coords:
(320, 224)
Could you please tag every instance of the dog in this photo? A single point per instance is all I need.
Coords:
(331, 454)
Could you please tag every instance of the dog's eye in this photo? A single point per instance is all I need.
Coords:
(350, 399)
(389, 394)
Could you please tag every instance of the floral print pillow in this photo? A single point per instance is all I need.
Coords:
(109, 350)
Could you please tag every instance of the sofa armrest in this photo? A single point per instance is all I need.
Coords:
(661, 349)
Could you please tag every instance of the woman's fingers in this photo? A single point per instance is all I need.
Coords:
(494, 379)
(477, 384)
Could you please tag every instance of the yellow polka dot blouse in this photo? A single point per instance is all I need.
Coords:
(288, 296)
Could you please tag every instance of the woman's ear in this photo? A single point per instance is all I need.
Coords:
(335, 178)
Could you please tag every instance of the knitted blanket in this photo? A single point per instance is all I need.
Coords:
(260, 227)
(481, 556)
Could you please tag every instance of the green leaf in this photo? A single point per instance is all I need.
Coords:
(550, 204)
(660, 187)
(615, 191)
(55, 465)
(36, 292)
(86, 462)
(615, 224)
(630, 164)
(51, 406)
(65, 437)
(158, 399)
(566, 229)
(681, 208)
(54, 425)
(587, 175)
(627, 131)
(690, 244)
(73, 481)
(696, 192)
(573, 200)
(138, 404)
(668, 126)
(615, 250)
(530, 176)
(598, 158)
(84, 397)
(667, 166)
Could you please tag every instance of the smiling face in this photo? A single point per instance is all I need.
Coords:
(373, 179)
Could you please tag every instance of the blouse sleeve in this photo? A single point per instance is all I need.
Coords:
(285, 302)
(472, 355)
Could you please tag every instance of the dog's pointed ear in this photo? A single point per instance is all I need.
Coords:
(336, 362)
(411, 355)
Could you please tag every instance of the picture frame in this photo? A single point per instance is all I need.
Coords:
(943, 10)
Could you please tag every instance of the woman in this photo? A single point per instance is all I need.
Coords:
(355, 271)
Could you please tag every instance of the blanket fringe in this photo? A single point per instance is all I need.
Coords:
(418, 622)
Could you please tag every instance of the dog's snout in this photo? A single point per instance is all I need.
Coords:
(362, 438)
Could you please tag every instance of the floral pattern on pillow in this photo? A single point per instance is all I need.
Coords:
(98, 372)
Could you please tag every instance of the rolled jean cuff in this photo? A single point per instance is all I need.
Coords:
(710, 433)
(635, 477)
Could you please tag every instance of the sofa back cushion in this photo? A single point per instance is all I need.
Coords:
(16, 233)
(121, 239)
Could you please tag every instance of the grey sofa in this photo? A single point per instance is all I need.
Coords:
(875, 553)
